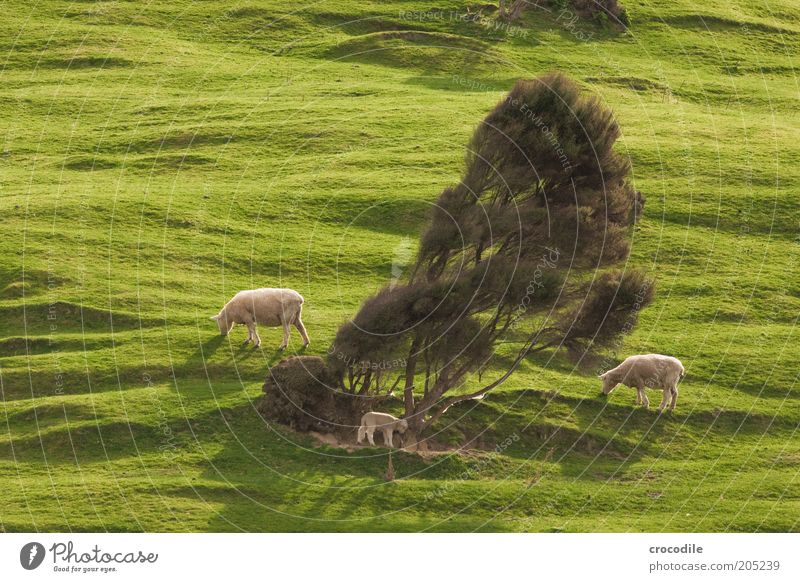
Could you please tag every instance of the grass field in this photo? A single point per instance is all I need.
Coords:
(157, 157)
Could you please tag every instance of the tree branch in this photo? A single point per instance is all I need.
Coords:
(411, 368)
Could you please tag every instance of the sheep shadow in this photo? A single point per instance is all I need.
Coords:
(264, 477)
(577, 434)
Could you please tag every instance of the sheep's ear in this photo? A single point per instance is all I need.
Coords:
(214, 317)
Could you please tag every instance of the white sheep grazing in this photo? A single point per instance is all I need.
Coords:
(647, 371)
(271, 307)
(387, 423)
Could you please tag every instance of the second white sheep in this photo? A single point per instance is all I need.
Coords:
(647, 371)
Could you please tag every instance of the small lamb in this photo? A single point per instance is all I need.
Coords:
(647, 371)
(270, 307)
(385, 422)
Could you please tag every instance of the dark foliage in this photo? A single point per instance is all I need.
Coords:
(593, 10)
(541, 173)
(512, 9)
(610, 307)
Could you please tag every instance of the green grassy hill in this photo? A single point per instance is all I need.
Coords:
(157, 157)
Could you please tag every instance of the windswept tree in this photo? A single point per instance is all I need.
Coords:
(596, 10)
(522, 250)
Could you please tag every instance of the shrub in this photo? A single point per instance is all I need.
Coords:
(301, 392)
(543, 204)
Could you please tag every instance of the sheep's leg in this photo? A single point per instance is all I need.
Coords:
(645, 399)
(672, 404)
(256, 337)
(298, 323)
(285, 336)
(638, 396)
(370, 433)
(664, 399)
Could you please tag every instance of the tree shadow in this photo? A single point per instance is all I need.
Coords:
(200, 363)
(264, 477)
(574, 433)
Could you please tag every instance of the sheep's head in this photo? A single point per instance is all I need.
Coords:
(224, 325)
(402, 426)
(610, 382)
